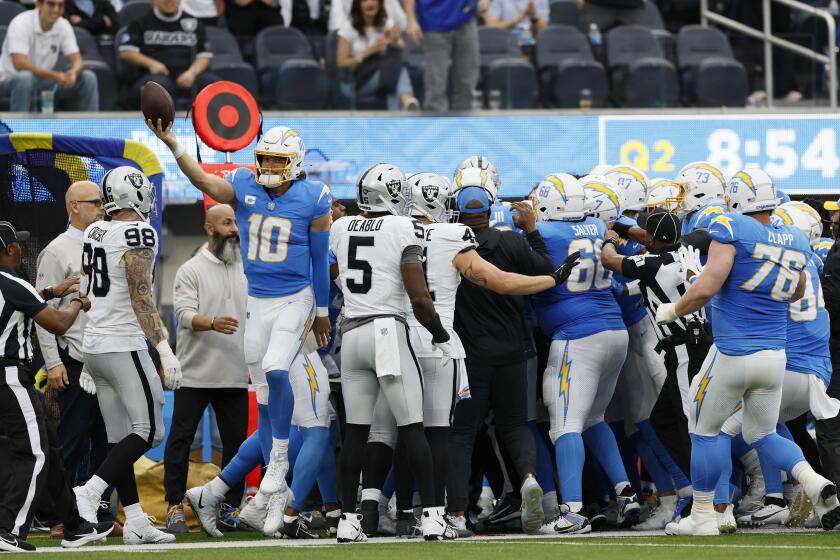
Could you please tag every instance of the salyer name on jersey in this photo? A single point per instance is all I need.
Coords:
(112, 325)
(584, 304)
(750, 311)
(274, 232)
(369, 253)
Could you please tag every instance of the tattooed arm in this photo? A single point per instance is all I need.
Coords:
(484, 274)
(138, 274)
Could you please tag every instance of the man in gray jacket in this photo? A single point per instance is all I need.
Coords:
(209, 296)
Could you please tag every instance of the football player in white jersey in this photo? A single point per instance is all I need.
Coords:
(118, 257)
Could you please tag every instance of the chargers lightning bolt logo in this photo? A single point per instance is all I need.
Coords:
(314, 389)
(725, 221)
(702, 389)
(565, 379)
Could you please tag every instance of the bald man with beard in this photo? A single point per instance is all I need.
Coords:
(80, 420)
(209, 296)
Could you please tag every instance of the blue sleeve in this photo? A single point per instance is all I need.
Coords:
(323, 204)
(721, 229)
(319, 248)
(706, 215)
(333, 259)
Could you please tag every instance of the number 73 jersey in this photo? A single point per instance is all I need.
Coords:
(750, 312)
(112, 325)
(369, 255)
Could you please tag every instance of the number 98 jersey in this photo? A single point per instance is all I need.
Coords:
(369, 254)
(112, 325)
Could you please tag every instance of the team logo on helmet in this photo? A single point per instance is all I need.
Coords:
(135, 179)
(394, 187)
(430, 193)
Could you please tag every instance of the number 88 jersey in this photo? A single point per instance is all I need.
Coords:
(584, 304)
(112, 325)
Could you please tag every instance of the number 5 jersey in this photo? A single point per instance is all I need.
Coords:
(112, 325)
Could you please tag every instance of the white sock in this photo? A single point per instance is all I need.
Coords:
(703, 505)
(619, 488)
(384, 501)
(669, 501)
(217, 487)
(685, 492)
(487, 492)
(810, 480)
(575, 507)
(775, 495)
(260, 499)
(96, 485)
(134, 512)
(334, 513)
(371, 494)
(289, 518)
(549, 503)
(280, 450)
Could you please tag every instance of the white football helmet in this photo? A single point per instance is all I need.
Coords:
(126, 187)
(751, 190)
(633, 182)
(279, 141)
(600, 169)
(429, 196)
(559, 197)
(482, 162)
(476, 177)
(664, 193)
(382, 188)
(604, 200)
(701, 183)
(801, 216)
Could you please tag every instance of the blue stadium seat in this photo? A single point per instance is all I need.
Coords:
(227, 59)
(494, 44)
(8, 11)
(640, 76)
(653, 17)
(133, 11)
(516, 80)
(566, 67)
(564, 12)
(276, 45)
(301, 86)
(105, 76)
(711, 77)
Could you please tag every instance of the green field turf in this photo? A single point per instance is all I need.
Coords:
(744, 546)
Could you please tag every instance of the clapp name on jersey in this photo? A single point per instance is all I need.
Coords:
(96, 233)
(780, 238)
(365, 225)
(585, 229)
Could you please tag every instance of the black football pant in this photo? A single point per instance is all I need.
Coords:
(828, 434)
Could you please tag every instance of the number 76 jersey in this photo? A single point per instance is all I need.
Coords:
(369, 255)
(112, 325)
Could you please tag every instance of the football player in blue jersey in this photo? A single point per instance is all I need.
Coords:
(704, 188)
(821, 248)
(285, 256)
(755, 269)
(580, 315)
(807, 372)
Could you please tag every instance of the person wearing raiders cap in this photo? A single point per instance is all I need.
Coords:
(664, 273)
(35, 463)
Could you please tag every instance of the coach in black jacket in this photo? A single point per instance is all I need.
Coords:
(496, 340)
(828, 431)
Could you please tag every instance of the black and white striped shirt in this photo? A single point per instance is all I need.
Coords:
(661, 281)
(19, 303)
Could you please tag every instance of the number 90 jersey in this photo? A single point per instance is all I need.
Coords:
(584, 304)
(750, 311)
(112, 325)
(369, 254)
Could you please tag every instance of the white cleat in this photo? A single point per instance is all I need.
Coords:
(435, 526)
(486, 506)
(206, 508)
(769, 514)
(659, 517)
(350, 528)
(726, 520)
(87, 503)
(688, 526)
(387, 519)
(754, 497)
(274, 512)
(275, 476)
(801, 510)
(827, 507)
(532, 516)
(141, 531)
(566, 523)
(253, 517)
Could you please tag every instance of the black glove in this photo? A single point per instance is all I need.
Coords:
(564, 270)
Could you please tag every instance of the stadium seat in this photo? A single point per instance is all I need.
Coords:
(301, 85)
(516, 80)
(564, 12)
(8, 11)
(133, 11)
(566, 67)
(88, 47)
(640, 76)
(227, 59)
(653, 17)
(274, 46)
(711, 77)
(494, 44)
(105, 76)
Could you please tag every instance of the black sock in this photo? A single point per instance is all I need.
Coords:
(403, 477)
(350, 463)
(439, 445)
(419, 457)
(377, 463)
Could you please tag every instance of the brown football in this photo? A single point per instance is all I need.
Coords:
(156, 103)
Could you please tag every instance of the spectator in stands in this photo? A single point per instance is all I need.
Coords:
(208, 12)
(610, 13)
(449, 31)
(370, 42)
(172, 50)
(209, 296)
(30, 52)
(340, 13)
(95, 16)
(246, 18)
(310, 17)
(525, 17)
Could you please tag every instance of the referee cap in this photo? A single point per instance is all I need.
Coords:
(832, 205)
(9, 235)
(664, 226)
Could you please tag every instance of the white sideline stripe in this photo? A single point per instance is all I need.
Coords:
(623, 538)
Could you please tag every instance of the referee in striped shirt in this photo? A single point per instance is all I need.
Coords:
(661, 273)
(34, 454)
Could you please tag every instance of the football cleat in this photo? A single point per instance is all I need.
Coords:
(87, 503)
(86, 533)
(204, 506)
(774, 511)
(332, 523)
(275, 476)
(387, 519)
(435, 526)
(228, 517)
(828, 508)
(141, 531)
(274, 512)
(252, 517)
(485, 504)
(408, 526)
(298, 529)
(628, 507)
(532, 516)
(13, 543)
(350, 528)
(659, 516)
(568, 523)
(688, 526)
(506, 508)
(175, 521)
(726, 520)
(459, 522)
(801, 509)
(753, 499)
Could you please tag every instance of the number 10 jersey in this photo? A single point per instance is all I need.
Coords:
(112, 325)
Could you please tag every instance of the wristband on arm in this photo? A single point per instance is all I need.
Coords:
(435, 327)
(622, 229)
